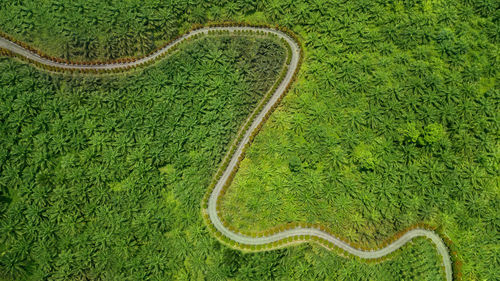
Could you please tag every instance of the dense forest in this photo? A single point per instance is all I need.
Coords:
(394, 120)
(102, 177)
(390, 125)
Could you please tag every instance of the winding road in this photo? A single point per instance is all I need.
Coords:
(212, 203)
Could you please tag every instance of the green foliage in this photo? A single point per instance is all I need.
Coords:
(104, 175)
(294, 163)
(431, 134)
(412, 133)
(363, 157)
(394, 120)
(371, 69)
(434, 133)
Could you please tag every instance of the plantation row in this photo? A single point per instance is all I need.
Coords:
(292, 240)
(126, 64)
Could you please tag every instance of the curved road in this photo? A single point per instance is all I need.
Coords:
(212, 203)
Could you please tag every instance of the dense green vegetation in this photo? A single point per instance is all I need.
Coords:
(102, 177)
(95, 29)
(394, 121)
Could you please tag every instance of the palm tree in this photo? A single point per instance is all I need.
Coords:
(13, 266)
(313, 20)
(363, 84)
(416, 86)
(373, 116)
(356, 119)
(302, 13)
(299, 122)
(232, 9)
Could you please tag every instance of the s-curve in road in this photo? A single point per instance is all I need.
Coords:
(225, 178)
